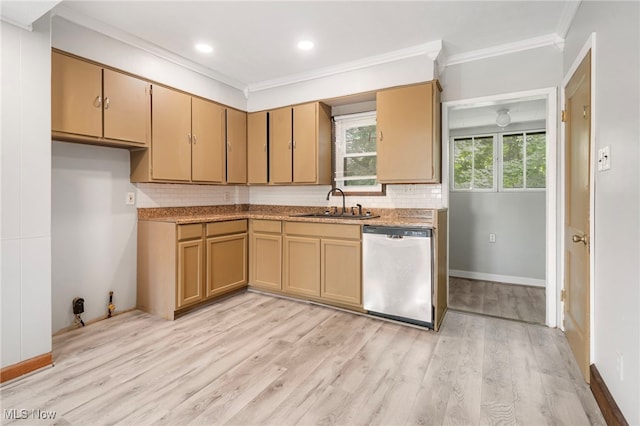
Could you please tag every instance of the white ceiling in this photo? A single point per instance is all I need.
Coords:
(255, 41)
(521, 111)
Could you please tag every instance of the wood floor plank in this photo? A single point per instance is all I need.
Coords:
(259, 360)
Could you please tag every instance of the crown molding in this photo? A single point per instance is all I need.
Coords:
(566, 18)
(431, 49)
(505, 49)
(100, 27)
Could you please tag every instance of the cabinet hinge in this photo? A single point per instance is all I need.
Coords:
(562, 295)
(564, 116)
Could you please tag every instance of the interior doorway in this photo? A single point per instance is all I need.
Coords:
(499, 183)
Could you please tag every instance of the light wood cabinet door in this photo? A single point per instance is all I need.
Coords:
(190, 272)
(280, 144)
(126, 107)
(236, 146)
(257, 147)
(171, 135)
(76, 96)
(305, 136)
(341, 277)
(266, 261)
(226, 263)
(302, 266)
(207, 141)
(408, 137)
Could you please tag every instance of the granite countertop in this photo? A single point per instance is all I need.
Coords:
(187, 215)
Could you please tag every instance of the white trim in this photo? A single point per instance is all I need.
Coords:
(100, 27)
(508, 279)
(550, 94)
(590, 44)
(431, 49)
(566, 18)
(505, 49)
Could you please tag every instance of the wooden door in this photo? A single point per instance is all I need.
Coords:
(341, 279)
(170, 135)
(76, 96)
(266, 261)
(304, 143)
(280, 142)
(226, 263)
(302, 266)
(257, 167)
(190, 280)
(405, 128)
(577, 202)
(127, 108)
(207, 141)
(236, 146)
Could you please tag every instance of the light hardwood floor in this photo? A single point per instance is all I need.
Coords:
(523, 303)
(257, 359)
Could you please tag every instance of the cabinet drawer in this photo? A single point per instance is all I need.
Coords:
(227, 227)
(187, 232)
(272, 226)
(323, 230)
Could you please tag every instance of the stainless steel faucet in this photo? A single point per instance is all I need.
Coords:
(344, 202)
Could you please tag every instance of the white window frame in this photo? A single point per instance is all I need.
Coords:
(342, 124)
(452, 162)
(501, 187)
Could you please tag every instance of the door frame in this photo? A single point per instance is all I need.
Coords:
(551, 217)
(590, 45)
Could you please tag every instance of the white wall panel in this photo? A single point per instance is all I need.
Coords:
(617, 192)
(94, 231)
(26, 185)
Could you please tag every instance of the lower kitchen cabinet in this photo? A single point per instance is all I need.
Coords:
(226, 253)
(302, 265)
(323, 261)
(181, 266)
(341, 276)
(265, 254)
(190, 255)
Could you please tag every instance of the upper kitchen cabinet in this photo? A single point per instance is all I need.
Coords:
(408, 124)
(187, 143)
(236, 146)
(257, 153)
(96, 105)
(300, 144)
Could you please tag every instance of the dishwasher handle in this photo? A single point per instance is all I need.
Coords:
(395, 237)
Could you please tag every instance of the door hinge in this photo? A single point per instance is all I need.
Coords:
(564, 116)
(562, 295)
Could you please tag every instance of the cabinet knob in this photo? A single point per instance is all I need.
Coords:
(289, 145)
(193, 139)
(229, 145)
(98, 101)
(106, 103)
(189, 137)
(381, 136)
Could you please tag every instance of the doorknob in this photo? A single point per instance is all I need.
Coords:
(576, 239)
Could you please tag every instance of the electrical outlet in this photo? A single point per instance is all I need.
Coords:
(620, 365)
(492, 238)
(604, 158)
(131, 198)
(227, 196)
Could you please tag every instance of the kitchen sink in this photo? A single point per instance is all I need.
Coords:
(329, 215)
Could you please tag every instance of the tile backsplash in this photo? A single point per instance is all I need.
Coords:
(176, 195)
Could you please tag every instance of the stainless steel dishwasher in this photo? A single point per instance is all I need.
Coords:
(397, 273)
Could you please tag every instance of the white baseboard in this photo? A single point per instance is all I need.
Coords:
(497, 278)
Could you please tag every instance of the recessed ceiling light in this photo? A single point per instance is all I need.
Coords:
(305, 45)
(204, 48)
